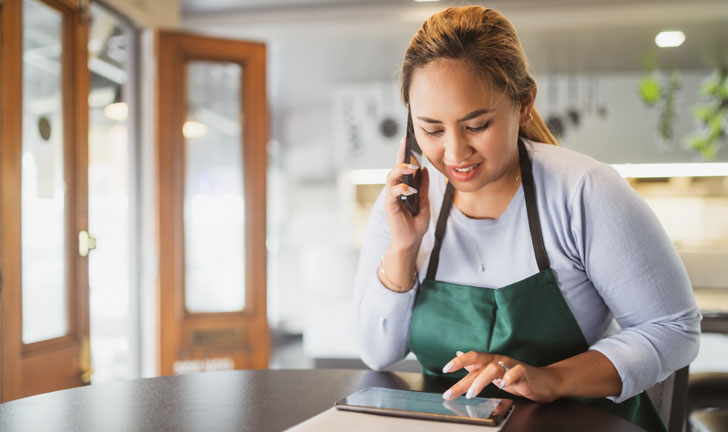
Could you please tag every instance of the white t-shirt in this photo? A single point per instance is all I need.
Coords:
(616, 268)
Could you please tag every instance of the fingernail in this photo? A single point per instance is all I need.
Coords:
(447, 395)
(447, 368)
(411, 166)
(459, 353)
(413, 190)
(501, 384)
(469, 394)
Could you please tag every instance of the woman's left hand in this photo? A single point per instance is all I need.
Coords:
(540, 384)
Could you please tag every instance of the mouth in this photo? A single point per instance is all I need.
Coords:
(464, 172)
(467, 169)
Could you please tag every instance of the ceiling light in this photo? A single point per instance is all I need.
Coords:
(118, 111)
(194, 129)
(670, 39)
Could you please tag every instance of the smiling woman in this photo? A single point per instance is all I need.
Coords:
(574, 289)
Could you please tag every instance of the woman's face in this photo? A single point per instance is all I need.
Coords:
(467, 128)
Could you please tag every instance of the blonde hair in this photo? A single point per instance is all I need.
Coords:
(485, 40)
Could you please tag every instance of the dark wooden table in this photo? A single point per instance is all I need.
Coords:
(265, 400)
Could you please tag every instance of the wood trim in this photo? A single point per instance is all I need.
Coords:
(82, 79)
(174, 50)
(49, 364)
(166, 83)
(48, 344)
(69, 151)
(11, 127)
(65, 5)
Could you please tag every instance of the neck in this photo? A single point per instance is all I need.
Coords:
(490, 201)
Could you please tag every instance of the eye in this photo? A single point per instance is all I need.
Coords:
(432, 133)
(480, 128)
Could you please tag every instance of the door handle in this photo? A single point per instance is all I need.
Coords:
(86, 243)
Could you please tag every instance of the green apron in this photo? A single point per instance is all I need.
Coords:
(528, 320)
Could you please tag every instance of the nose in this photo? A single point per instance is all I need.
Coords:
(457, 150)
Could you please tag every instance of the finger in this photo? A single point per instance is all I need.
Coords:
(394, 176)
(485, 377)
(460, 387)
(467, 359)
(402, 189)
(516, 375)
(459, 353)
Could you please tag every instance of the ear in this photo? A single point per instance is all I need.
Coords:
(526, 107)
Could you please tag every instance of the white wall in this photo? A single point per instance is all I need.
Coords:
(315, 52)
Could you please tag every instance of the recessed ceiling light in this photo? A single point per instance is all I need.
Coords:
(670, 39)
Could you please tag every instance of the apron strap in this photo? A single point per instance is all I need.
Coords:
(440, 231)
(534, 225)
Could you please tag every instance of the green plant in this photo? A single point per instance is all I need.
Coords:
(652, 91)
(649, 90)
(711, 115)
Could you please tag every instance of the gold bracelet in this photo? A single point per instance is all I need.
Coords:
(388, 283)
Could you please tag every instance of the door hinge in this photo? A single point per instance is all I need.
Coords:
(84, 362)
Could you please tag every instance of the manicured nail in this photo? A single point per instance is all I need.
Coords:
(413, 190)
(447, 368)
(411, 166)
(459, 353)
(447, 395)
(469, 394)
(501, 384)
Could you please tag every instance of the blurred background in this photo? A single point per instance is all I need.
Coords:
(642, 85)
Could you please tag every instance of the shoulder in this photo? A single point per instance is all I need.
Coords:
(558, 161)
(565, 171)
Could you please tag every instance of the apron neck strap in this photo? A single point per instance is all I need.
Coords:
(534, 225)
(440, 231)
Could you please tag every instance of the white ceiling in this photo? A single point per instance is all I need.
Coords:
(314, 44)
(559, 35)
(197, 6)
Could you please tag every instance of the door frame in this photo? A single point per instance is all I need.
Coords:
(52, 364)
(174, 50)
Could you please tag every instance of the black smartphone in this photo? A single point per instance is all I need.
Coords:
(411, 202)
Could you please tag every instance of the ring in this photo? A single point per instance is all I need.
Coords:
(505, 368)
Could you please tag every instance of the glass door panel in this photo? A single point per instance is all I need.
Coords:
(214, 204)
(43, 188)
(111, 200)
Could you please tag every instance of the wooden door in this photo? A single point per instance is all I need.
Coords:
(43, 187)
(211, 165)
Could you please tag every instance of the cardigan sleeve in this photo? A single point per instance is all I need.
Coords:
(636, 270)
(382, 316)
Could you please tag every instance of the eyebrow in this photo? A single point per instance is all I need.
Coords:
(470, 116)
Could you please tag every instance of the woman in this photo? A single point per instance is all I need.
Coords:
(544, 273)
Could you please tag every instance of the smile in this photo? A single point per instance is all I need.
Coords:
(468, 169)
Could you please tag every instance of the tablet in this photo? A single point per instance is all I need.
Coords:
(429, 406)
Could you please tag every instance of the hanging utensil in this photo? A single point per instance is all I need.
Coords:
(554, 122)
(601, 104)
(573, 112)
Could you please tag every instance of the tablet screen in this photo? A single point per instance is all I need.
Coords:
(401, 402)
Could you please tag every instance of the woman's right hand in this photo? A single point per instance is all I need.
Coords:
(398, 266)
(406, 231)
